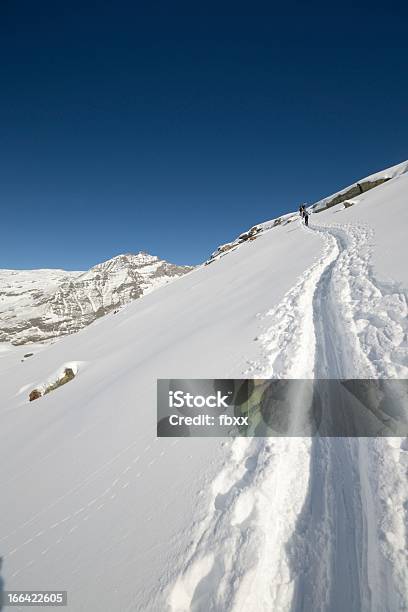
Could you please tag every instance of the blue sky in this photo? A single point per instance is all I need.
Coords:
(172, 127)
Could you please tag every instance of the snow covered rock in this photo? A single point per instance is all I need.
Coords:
(251, 234)
(63, 378)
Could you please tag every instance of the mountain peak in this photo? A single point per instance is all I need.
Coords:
(40, 305)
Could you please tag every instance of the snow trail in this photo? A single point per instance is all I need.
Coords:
(255, 500)
(375, 346)
(329, 531)
(371, 315)
(344, 502)
(311, 524)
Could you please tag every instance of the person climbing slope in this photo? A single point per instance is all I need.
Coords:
(306, 217)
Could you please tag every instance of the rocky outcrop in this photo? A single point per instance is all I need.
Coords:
(34, 394)
(353, 191)
(67, 375)
(251, 234)
(348, 203)
(367, 185)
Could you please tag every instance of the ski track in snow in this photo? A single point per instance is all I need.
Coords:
(312, 524)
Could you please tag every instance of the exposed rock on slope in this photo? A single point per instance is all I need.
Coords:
(37, 305)
(66, 376)
(353, 191)
(374, 180)
(251, 234)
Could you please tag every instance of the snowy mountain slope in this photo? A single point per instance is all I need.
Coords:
(74, 451)
(37, 305)
(208, 524)
(321, 524)
(22, 297)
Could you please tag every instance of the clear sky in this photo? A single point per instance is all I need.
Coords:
(170, 127)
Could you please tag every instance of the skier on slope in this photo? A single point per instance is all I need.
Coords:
(306, 217)
(301, 210)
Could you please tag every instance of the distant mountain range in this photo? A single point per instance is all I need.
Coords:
(38, 305)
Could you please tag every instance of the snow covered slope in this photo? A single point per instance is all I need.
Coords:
(38, 305)
(110, 513)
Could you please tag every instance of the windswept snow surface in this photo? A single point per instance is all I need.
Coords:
(93, 503)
